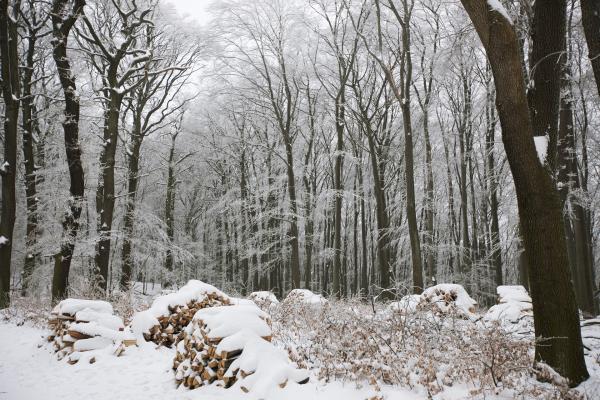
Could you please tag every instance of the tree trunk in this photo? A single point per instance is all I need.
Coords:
(337, 189)
(295, 257)
(60, 31)
(170, 207)
(29, 161)
(493, 189)
(105, 194)
(9, 72)
(548, 47)
(133, 170)
(556, 317)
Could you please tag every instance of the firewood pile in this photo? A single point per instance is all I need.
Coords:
(81, 327)
(306, 297)
(514, 311)
(231, 345)
(447, 298)
(164, 321)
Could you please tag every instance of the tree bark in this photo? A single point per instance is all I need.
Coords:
(133, 170)
(9, 72)
(548, 47)
(27, 105)
(105, 193)
(170, 206)
(556, 317)
(61, 28)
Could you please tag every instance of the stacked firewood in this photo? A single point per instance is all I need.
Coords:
(164, 321)
(170, 326)
(232, 344)
(514, 311)
(81, 327)
(447, 298)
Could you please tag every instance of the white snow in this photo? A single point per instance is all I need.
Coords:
(5, 167)
(225, 321)
(95, 329)
(406, 305)
(263, 296)
(541, 146)
(305, 296)
(241, 302)
(512, 293)
(106, 320)
(73, 306)
(269, 368)
(142, 373)
(94, 343)
(514, 307)
(497, 6)
(463, 302)
(3, 240)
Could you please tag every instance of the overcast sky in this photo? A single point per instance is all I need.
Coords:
(193, 8)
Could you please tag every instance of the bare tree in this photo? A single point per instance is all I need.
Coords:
(555, 311)
(11, 93)
(151, 104)
(35, 17)
(114, 40)
(64, 15)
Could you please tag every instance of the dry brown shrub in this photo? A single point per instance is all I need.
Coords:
(349, 341)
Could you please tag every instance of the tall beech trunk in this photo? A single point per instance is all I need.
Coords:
(590, 12)
(133, 170)
(105, 193)
(555, 311)
(60, 31)
(9, 72)
(402, 93)
(493, 187)
(429, 201)
(547, 49)
(28, 111)
(170, 206)
(244, 262)
(309, 181)
(364, 265)
(337, 189)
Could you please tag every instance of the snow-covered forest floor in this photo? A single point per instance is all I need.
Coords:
(352, 350)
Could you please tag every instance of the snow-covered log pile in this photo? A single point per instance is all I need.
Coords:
(590, 334)
(231, 344)
(304, 296)
(514, 310)
(79, 326)
(163, 322)
(445, 298)
(264, 299)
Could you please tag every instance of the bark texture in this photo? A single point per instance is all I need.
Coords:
(555, 311)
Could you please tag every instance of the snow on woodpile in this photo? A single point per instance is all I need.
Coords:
(82, 326)
(231, 345)
(514, 306)
(447, 298)
(590, 334)
(406, 305)
(305, 296)
(169, 314)
(264, 299)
